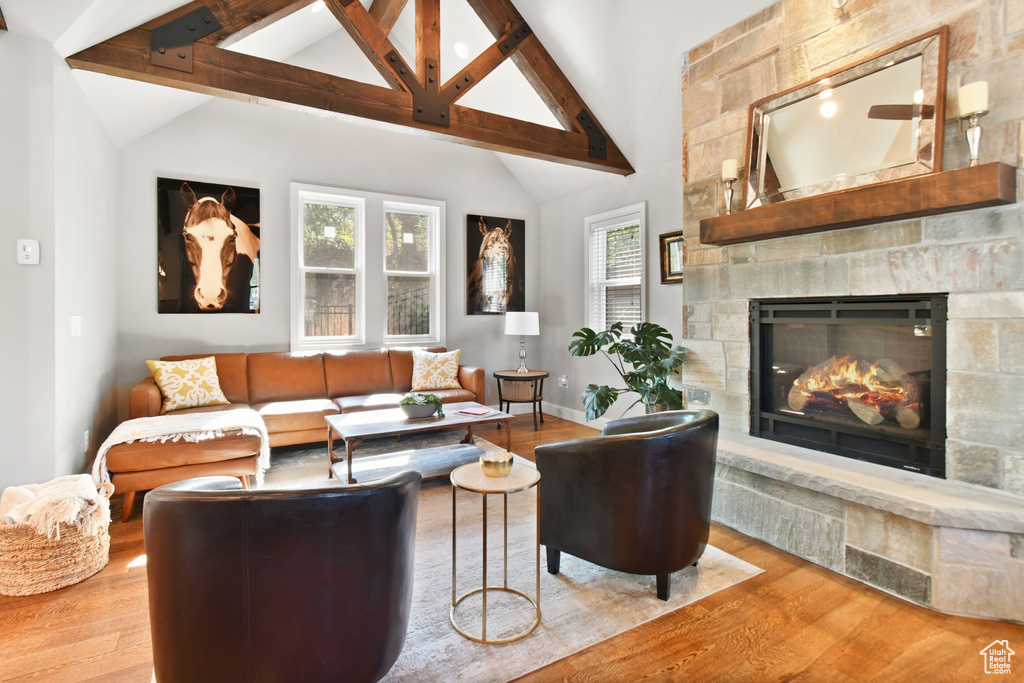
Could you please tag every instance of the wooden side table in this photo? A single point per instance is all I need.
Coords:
(471, 478)
(522, 387)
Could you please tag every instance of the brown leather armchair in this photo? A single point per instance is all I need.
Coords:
(306, 585)
(636, 499)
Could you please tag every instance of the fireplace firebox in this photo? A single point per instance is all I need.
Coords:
(862, 377)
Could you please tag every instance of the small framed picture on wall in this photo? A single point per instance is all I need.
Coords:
(670, 246)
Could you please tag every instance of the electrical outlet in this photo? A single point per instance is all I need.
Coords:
(563, 381)
(85, 440)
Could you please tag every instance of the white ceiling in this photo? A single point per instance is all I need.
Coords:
(623, 58)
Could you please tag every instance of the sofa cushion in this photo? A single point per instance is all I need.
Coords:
(231, 371)
(141, 456)
(352, 404)
(358, 372)
(401, 367)
(285, 377)
(293, 416)
(187, 383)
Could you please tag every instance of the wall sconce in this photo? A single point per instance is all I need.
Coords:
(973, 99)
(730, 172)
(522, 324)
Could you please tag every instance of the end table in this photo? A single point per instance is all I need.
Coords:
(522, 387)
(470, 477)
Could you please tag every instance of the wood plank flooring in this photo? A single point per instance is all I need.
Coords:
(796, 621)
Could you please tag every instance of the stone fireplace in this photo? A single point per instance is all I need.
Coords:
(954, 544)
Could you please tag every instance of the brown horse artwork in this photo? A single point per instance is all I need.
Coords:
(495, 280)
(219, 247)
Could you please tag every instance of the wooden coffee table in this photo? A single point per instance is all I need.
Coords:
(354, 428)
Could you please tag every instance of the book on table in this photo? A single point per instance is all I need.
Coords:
(476, 411)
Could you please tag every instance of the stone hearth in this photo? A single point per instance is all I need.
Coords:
(955, 545)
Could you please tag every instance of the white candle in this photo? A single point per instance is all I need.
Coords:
(729, 169)
(973, 98)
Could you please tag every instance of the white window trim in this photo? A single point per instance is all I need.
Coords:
(626, 215)
(371, 283)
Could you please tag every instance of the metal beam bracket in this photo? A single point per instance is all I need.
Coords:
(513, 39)
(598, 143)
(171, 44)
(430, 104)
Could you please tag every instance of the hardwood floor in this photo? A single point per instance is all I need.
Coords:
(794, 621)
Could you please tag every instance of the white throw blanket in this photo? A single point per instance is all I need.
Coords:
(193, 427)
(70, 500)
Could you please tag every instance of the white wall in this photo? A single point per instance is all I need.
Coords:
(84, 222)
(56, 176)
(564, 280)
(253, 146)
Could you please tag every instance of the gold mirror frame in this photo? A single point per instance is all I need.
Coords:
(762, 186)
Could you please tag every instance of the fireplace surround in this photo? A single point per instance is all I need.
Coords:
(861, 377)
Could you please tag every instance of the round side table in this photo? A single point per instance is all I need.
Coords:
(471, 478)
(522, 387)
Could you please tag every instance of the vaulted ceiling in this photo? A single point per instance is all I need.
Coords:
(187, 48)
(622, 58)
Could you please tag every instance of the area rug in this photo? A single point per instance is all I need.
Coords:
(582, 605)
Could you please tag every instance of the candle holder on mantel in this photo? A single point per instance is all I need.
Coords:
(973, 104)
(730, 172)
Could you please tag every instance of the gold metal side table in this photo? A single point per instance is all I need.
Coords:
(471, 478)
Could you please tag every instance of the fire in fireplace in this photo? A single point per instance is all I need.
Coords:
(859, 377)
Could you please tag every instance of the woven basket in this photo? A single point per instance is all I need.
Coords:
(31, 563)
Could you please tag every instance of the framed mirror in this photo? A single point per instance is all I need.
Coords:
(876, 120)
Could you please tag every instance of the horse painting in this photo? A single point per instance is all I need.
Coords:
(495, 281)
(221, 250)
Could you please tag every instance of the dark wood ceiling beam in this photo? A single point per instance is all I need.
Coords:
(386, 13)
(233, 75)
(374, 43)
(483, 64)
(3, 24)
(539, 68)
(238, 18)
(428, 43)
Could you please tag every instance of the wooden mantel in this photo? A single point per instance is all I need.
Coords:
(924, 195)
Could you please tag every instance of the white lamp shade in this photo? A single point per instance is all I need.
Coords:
(522, 324)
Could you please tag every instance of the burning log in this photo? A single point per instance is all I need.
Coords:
(874, 392)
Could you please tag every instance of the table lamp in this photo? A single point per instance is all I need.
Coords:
(522, 324)
(973, 103)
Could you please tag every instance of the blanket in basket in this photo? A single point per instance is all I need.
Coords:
(44, 507)
(194, 427)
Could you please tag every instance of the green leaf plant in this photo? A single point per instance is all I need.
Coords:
(644, 359)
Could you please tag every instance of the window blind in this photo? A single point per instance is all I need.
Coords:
(616, 272)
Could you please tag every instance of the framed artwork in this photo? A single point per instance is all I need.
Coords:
(494, 265)
(208, 247)
(670, 246)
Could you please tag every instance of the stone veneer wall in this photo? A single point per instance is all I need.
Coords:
(960, 566)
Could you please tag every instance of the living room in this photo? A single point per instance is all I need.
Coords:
(84, 188)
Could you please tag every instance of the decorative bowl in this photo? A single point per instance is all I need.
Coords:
(496, 463)
(417, 411)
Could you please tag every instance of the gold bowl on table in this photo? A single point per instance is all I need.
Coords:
(497, 463)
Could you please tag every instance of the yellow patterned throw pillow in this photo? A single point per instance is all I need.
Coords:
(435, 370)
(188, 383)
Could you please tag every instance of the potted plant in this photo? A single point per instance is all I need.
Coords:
(417, 406)
(644, 358)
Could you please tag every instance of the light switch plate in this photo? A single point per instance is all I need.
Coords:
(76, 326)
(28, 252)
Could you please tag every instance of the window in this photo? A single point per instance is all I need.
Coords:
(367, 271)
(616, 267)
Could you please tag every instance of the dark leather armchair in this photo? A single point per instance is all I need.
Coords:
(305, 585)
(636, 499)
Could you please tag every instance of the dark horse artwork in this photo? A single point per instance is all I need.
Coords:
(495, 274)
(217, 251)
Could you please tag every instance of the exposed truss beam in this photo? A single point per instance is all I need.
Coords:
(386, 13)
(3, 24)
(415, 99)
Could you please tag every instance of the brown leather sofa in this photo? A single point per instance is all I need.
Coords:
(308, 585)
(635, 499)
(293, 392)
